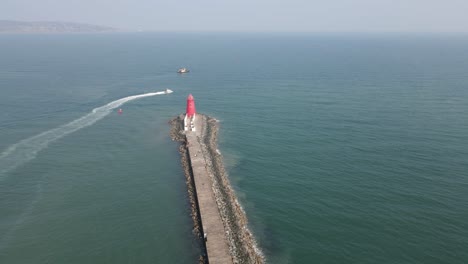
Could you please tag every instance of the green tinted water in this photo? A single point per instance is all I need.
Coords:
(342, 148)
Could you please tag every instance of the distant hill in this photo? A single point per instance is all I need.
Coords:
(9, 26)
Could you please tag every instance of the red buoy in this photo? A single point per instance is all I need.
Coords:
(120, 111)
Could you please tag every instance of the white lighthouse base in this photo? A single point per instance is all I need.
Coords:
(189, 123)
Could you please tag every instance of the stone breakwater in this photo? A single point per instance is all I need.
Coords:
(177, 129)
(242, 245)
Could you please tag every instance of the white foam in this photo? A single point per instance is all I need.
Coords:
(27, 149)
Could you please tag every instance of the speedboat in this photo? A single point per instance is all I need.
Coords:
(183, 70)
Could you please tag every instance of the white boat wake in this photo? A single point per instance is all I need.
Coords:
(23, 217)
(27, 149)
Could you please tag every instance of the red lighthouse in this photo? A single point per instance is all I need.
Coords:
(189, 120)
(190, 106)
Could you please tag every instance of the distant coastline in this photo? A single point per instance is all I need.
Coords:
(11, 26)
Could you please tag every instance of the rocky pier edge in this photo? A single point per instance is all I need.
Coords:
(242, 245)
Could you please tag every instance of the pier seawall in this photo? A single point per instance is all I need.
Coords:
(216, 211)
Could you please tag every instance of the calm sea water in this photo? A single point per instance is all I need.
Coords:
(342, 148)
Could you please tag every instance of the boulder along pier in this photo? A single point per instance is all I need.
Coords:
(220, 223)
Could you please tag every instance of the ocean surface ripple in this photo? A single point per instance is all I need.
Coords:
(27, 149)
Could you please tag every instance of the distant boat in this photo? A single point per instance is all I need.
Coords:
(120, 111)
(168, 91)
(183, 70)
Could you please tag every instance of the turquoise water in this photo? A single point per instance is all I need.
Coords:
(342, 148)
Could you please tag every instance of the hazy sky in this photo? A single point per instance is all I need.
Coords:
(250, 15)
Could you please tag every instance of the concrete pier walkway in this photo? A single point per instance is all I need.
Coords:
(216, 243)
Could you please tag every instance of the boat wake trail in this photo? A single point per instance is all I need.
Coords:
(27, 149)
(23, 217)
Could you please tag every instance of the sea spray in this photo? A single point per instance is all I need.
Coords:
(27, 149)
